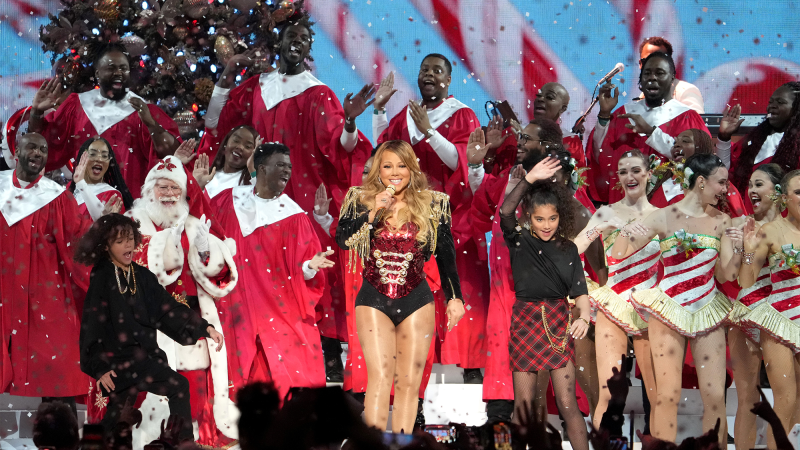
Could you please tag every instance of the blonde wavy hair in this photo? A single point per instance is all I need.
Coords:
(417, 196)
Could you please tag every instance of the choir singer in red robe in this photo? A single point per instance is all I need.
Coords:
(438, 128)
(40, 317)
(649, 125)
(139, 133)
(270, 319)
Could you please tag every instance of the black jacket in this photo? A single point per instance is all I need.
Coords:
(118, 331)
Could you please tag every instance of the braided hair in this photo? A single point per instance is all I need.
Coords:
(787, 154)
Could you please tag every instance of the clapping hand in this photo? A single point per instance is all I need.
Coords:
(201, 235)
(476, 146)
(321, 201)
(419, 114)
(494, 133)
(730, 122)
(385, 91)
(80, 170)
(201, 173)
(185, 151)
(355, 105)
(113, 205)
(144, 112)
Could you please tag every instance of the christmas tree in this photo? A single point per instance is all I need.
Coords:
(178, 48)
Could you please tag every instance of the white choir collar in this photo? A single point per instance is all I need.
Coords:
(277, 87)
(436, 116)
(222, 181)
(105, 113)
(94, 189)
(660, 114)
(17, 203)
(254, 212)
(671, 189)
(769, 147)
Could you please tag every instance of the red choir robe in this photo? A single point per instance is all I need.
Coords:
(506, 154)
(88, 114)
(497, 380)
(39, 226)
(182, 273)
(270, 318)
(764, 156)
(454, 121)
(305, 114)
(671, 119)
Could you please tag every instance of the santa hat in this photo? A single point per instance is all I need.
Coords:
(169, 168)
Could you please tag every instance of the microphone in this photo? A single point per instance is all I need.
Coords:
(382, 209)
(617, 69)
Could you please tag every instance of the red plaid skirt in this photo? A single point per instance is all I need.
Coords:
(529, 347)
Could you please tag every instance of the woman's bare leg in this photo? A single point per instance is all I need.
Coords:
(611, 343)
(746, 362)
(376, 334)
(641, 348)
(413, 335)
(667, 348)
(779, 361)
(709, 360)
(564, 388)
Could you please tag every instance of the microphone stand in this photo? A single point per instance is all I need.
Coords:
(582, 118)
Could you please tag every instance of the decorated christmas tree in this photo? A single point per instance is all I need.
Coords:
(178, 48)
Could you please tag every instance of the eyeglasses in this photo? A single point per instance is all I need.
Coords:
(523, 139)
(98, 156)
(168, 190)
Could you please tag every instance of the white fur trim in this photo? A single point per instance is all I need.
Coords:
(161, 256)
(176, 174)
(219, 256)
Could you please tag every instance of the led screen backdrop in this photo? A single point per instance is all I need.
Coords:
(502, 49)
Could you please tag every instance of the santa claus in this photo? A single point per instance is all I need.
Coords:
(195, 264)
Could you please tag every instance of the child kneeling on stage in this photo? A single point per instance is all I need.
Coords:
(547, 269)
(124, 307)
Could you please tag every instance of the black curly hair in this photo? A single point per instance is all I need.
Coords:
(98, 49)
(303, 19)
(787, 154)
(547, 192)
(93, 246)
(113, 175)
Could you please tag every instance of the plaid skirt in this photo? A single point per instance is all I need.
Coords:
(529, 347)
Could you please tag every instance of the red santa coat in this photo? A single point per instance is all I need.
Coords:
(88, 114)
(40, 315)
(182, 273)
(454, 121)
(274, 304)
(671, 119)
(305, 114)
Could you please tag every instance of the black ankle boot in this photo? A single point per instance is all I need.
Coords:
(499, 411)
(332, 351)
(419, 422)
(473, 376)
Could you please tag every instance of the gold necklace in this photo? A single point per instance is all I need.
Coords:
(560, 347)
(127, 278)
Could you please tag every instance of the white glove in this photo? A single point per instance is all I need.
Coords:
(201, 237)
(177, 231)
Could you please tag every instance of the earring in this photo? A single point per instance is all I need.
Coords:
(702, 186)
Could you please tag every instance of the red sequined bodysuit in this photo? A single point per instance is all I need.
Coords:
(395, 263)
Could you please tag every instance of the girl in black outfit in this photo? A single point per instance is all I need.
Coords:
(547, 269)
(124, 307)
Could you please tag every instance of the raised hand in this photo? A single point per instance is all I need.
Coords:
(144, 112)
(355, 105)
(234, 66)
(494, 133)
(47, 96)
(544, 170)
(113, 205)
(385, 91)
(320, 261)
(750, 236)
(419, 114)
(201, 235)
(476, 146)
(201, 173)
(171, 433)
(455, 312)
(608, 98)
(321, 201)
(639, 125)
(80, 169)
(618, 383)
(730, 122)
(185, 151)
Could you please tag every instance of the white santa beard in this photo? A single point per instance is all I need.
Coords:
(164, 216)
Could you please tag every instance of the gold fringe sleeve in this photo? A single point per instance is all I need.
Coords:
(780, 327)
(358, 243)
(440, 212)
(618, 310)
(350, 202)
(680, 319)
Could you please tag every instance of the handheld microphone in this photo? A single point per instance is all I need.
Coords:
(382, 209)
(617, 69)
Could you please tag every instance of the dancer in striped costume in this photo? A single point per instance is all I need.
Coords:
(616, 316)
(697, 245)
(743, 338)
(778, 318)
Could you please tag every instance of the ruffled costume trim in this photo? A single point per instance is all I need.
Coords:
(690, 324)
(770, 320)
(735, 319)
(618, 310)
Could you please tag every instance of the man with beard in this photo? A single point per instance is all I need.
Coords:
(197, 268)
(291, 106)
(649, 125)
(438, 127)
(40, 316)
(270, 319)
(139, 133)
(533, 142)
